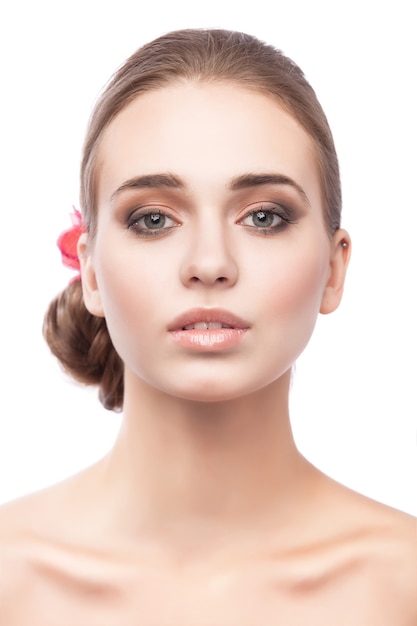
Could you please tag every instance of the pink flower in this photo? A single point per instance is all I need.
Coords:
(68, 240)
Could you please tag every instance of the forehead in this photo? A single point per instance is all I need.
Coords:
(206, 134)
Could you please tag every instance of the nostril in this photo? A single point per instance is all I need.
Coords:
(210, 270)
(219, 279)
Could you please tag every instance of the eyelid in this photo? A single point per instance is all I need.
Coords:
(282, 210)
(139, 213)
(151, 207)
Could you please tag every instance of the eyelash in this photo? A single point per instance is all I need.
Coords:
(284, 214)
(134, 223)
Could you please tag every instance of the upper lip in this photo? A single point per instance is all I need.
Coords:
(193, 316)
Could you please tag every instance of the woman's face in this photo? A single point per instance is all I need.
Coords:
(212, 260)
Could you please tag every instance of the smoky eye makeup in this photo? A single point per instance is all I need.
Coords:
(268, 218)
(150, 221)
(146, 211)
(146, 214)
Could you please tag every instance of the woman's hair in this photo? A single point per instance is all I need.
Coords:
(80, 340)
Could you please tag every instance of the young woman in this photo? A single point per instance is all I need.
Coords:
(209, 244)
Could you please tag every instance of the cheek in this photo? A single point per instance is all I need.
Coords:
(297, 287)
(126, 295)
(294, 304)
(120, 296)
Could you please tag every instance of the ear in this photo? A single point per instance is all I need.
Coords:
(339, 261)
(91, 293)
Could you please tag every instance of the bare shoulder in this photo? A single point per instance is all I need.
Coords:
(385, 526)
(382, 543)
(394, 555)
(41, 557)
(394, 551)
(18, 548)
(24, 525)
(27, 518)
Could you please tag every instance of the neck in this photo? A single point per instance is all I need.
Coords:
(180, 468)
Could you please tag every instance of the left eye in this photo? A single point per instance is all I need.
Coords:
(263, 219)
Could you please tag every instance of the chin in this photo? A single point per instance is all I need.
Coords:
(211, 391)
(206, 393)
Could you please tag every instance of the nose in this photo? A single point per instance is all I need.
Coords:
(208, 259)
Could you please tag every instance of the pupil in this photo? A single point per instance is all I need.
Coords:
(154, 220)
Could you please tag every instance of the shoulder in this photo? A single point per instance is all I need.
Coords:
(382, 542)
(393, 555)
(17, 557)
(38, 551)
(23, 528)
(44, 518)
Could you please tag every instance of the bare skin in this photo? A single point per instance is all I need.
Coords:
(355, 565)
(232, 545)
(204, 513)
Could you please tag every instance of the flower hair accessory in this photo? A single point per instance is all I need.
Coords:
(68, 240)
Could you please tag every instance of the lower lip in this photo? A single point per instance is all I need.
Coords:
(209, 340)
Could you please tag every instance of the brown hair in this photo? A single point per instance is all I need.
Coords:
(81, 341)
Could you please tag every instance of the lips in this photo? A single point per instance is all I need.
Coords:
(208, 330)
(207, 319)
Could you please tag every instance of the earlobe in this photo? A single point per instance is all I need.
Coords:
(91, 293)
(341, 249)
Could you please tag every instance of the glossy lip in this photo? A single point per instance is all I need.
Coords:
(193, 316)
(208, 339)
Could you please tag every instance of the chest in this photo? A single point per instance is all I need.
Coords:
(227, 598)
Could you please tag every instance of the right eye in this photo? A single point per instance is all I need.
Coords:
(151, 223)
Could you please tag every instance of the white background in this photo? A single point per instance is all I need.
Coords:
(353, 399)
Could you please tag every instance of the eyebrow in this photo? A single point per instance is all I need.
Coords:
(152, 181)
(245, 181)
(258, 180)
